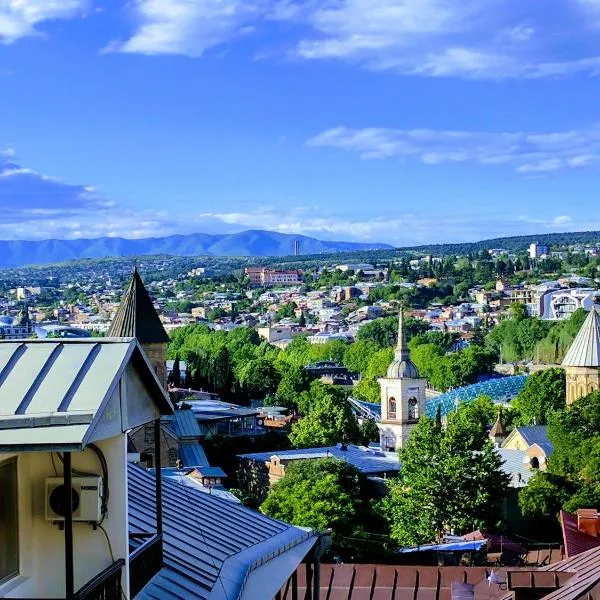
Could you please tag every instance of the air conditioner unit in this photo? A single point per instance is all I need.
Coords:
(86, 499)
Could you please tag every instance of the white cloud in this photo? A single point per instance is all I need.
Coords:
(188, 27)
(525, 152)
(396, 229)
(19, 18)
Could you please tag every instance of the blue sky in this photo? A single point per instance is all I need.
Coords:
(399, 121)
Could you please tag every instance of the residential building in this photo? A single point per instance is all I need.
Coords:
(538, 251)
(402, 396)
(259, 471)
(582, 361)
(559, 304)
(264, 276)
(65, 410)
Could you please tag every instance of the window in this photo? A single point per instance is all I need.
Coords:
(413, 409)
(392, 408)
(9, 525)
(535, 463)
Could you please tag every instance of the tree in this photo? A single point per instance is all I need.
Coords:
(358, 355)
(293, 382)
(328, 419)
(543, 392)
(368, 387)
(369, 431)
(451, 480)
(175, 377)
(321, 494)
(258, 378)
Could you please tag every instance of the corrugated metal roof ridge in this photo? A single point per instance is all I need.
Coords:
(185, 424)
(141, 484)
(586, 569)
(217, 530)
(136, 315)
(585, 349)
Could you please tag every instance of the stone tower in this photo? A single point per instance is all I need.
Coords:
(136, 317)
(402, 396)
(582, 361)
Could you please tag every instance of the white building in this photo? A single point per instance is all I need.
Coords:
(562, 303)
(537, 251)
(402, 397)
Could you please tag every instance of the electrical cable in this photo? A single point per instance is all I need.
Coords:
(112, 555)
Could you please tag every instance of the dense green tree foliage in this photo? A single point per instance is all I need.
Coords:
(573, 477)
(543, 392)
(451, 479)
(322, 494)
(328, 419)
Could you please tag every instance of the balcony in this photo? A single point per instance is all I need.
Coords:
(105, 586)
(145, 561)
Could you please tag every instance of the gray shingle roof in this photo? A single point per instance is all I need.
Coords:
(585, 349)
(137, 317)
(210, 545)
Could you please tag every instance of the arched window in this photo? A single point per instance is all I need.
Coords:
(535, 463)
(413, 409)
(391, 407)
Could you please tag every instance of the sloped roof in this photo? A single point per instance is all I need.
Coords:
(575, 541)
(536, 434)
(185, 424)
(585, 583)
(193, 455)
(366, 460)
(211, 545)
(52, 392)
(585, 349)
(137, 317)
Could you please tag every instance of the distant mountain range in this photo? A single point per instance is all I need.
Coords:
(246, 243)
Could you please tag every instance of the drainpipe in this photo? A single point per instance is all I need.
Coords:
(67, 482)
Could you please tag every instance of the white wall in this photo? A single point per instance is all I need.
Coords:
(42, 568)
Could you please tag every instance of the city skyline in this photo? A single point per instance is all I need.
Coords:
(400, 122)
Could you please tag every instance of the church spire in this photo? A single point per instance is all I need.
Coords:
(401, 347)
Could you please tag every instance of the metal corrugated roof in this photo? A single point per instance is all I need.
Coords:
(513, 465)
(366, 460)
(536, 434)
(193, 455)
(136, 316)
(185, 424)
(52, 390)
(210, 544)
(585, 349)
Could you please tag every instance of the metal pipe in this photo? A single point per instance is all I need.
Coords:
(68, 486)
(158, 477)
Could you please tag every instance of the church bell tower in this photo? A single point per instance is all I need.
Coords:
(402, 396)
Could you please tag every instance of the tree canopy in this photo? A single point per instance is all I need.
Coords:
(543, 392)
(451, 479)
(321, 494)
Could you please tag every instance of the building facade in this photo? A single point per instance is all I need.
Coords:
(582, 361)
(402, 396)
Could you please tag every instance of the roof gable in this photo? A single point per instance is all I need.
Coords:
(55, 392)
(136, 316)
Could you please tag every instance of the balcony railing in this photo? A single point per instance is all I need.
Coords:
(144, 563)
(105, 586)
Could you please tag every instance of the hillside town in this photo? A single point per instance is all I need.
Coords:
(422, 426)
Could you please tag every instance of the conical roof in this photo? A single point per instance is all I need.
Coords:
(402, 367)
(585, 349)
(498, 430)
(137, 317)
